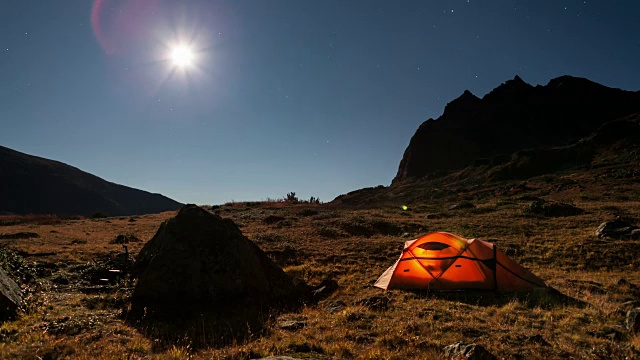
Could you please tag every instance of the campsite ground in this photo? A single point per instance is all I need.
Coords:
(68, 317)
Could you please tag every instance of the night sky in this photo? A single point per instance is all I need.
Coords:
(317, 97)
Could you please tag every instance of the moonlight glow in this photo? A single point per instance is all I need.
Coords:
(182, 56)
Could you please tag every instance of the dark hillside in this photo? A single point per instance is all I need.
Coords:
(34, 185)
(514, 116)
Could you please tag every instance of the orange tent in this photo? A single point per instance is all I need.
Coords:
(443, 261)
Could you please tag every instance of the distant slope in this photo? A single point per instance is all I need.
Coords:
(30, 184)
(514, 116)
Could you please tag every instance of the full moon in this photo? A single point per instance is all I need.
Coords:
(182, 56)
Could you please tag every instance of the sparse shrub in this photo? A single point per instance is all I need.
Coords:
(178, 353)
(125, 239)
(291, 197)
(138, 347)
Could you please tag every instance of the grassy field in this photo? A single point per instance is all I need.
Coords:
(70, 315)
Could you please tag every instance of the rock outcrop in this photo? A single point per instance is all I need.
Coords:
(10, 296)
(198, 262)
(512, 117)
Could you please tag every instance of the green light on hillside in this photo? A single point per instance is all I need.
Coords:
(404, 207)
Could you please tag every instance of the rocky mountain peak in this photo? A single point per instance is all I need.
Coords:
(464, 103)
(513, 116)
(511, 88)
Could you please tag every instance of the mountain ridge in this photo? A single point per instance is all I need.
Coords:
(513, 116)
(33, 184)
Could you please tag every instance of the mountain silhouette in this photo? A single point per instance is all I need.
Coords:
(512, 117)
(34, 185)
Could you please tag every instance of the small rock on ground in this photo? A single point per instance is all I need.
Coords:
(462, 205)
(325, 288)
(633, 321)
(618, 229)
(335, 306)
(292, 325)
(461, 350)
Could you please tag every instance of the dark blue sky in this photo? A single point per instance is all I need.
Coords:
(316, 97)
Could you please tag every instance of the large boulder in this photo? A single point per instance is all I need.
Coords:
(10, 297)
(198, 262)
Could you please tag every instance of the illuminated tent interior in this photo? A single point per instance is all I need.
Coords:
(444, 261)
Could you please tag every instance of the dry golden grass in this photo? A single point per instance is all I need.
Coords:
(354, 246)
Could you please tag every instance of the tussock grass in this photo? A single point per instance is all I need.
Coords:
(595, 279)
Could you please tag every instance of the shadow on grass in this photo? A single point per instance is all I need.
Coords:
(213, 328)
(208, 325)
(546, 299)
